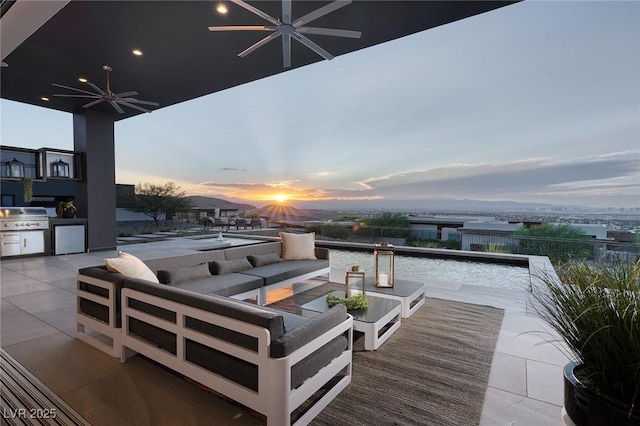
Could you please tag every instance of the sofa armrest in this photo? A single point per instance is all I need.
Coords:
(101, 273)
(322, 253)
(296, 338)
(107, 286)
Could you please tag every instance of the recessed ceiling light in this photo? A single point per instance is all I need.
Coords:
(82, 80)
(44, 98)
(222, 9)
(137, 52)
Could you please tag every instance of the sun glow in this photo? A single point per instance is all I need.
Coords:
(281, 198)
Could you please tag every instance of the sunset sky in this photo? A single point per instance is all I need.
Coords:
(534, 102)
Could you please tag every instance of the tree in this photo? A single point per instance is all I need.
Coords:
(387, 224)
(155, 200)
(558, 242)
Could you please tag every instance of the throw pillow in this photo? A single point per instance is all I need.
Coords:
(181, 275)
(221, 267)
(298, 246)
(129, 265)
(263, 259)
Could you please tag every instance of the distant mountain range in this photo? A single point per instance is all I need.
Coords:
(319, 210)
(272, 211)
(287, 212)
(210, 203)
(426, 205)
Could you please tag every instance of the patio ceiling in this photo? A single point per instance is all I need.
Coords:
(181, 59)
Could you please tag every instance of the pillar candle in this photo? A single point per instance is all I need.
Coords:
(383, 279)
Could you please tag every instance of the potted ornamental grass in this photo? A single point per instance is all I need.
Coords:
(595, 309)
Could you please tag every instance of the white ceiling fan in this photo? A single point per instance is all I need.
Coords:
(114, 99)
(289, 28)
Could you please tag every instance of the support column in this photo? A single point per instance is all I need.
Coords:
(93, 136)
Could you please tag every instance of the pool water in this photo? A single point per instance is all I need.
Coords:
(448, 270)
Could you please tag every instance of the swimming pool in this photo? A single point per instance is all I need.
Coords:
(464, 272)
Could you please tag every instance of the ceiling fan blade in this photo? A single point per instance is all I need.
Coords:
(243, 28)
(320, 12)
(256, 11)
(286, 11)
(73, 88)
(126, 94)
(313, 46)
(90, 104)
(94, 96)
(121, 102)
(260, 43)
(329, 32)
(96, 88)
(116, 107)
(286, 50)
(136, 101)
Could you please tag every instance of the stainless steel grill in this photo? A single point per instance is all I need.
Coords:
(22, 230)
(23, 218)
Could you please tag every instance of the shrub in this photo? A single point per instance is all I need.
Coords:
(596, 311)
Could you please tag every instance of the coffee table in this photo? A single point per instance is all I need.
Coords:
(410, 293)
(378, 321)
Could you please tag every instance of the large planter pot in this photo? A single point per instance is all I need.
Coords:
(585, 408)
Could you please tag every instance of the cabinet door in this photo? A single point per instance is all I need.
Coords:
(10, 243)
(32, 242)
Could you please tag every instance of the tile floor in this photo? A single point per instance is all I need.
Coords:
(37, 327)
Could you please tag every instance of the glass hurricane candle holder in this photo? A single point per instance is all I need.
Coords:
(383, 255)
(353, 282)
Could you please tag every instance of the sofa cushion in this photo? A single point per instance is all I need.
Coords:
(183, 260)
(239, 252)
(180, 275)
(276, 272)
(221, 267)
(263, 259)
(129, 265)
(223, 285)
(304, 333)
(298, 246)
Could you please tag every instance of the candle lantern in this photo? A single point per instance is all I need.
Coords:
(353, 282)
(383, 255)
(60, 169)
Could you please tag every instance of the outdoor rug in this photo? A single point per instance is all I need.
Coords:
(433, 371)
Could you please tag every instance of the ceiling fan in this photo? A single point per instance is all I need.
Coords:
(288, 28)
(114, 99)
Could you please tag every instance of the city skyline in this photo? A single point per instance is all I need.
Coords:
(535, 102)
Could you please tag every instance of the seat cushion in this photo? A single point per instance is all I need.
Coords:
(223, 285)
(276, 272)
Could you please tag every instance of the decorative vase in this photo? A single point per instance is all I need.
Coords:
(586, 408)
